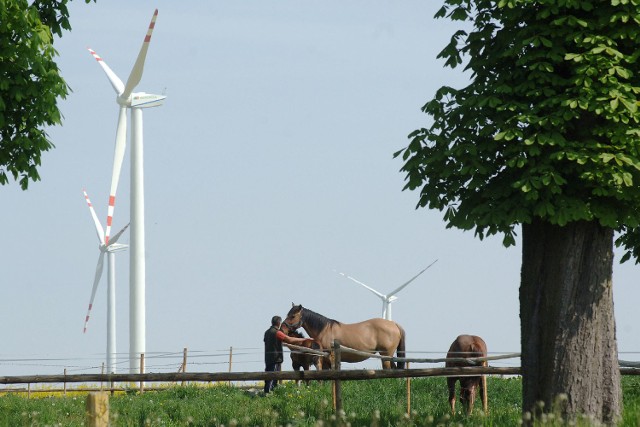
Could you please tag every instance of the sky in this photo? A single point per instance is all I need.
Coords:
(268, 169)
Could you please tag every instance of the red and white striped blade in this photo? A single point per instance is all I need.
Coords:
(99, 229)
(96, 280)
(138, 67)
(115, 80)
(115, 238)
(118, 157)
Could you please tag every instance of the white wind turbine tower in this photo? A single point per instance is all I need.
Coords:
(110, 249)
(390, 297)
(127, 99)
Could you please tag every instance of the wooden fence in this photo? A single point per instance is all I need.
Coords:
(97, 402)
(182, 376)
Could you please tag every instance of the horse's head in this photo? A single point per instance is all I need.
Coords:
(295, 334)
(294, 317)
(468, 387)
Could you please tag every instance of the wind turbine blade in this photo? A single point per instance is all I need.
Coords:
(96, 280)
(383, 296)
(115, 238)
(138, 67)
(412, 279)
(118, 157)
(99, 228)
(117, 84)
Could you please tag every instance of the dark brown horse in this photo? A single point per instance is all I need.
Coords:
(305, 360)
(373, 336)
(467, 346)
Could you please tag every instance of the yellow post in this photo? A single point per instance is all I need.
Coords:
(98, 409)
(230, 359)
(184, 361)
(337, 385)
(141, 371)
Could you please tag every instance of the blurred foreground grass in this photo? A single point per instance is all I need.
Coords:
(365, 403)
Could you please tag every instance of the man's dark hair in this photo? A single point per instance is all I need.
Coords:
(276, 320)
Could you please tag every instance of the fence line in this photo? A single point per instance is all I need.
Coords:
(178, 360)
(470, 360)
(336, 375)
(629, 368)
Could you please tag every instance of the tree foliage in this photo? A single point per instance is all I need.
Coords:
(548, 126)
(30, 84)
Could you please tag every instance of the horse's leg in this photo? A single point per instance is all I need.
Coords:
(296, 367)
(387, 364)
(306, 368)
(451, 384)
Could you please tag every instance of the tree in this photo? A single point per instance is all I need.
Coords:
(30, 84)
(545, 136)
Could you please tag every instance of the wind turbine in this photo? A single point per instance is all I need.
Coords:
(390, 297)
(127, 99)
(110, 249)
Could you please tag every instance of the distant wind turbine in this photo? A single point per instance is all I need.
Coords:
(110, 250)
(390, 297)
(127, 99)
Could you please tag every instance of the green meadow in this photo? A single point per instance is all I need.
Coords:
(365, 403)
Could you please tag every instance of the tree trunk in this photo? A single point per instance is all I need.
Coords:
(568, 336)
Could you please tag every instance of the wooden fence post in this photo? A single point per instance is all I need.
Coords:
(337, 386)
(98, 409)
(230, 360)
(184, 362)
(141, 371)
(408, 393)
(64, 384)
(102, 372)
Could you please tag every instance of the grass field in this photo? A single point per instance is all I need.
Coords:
(365, 403)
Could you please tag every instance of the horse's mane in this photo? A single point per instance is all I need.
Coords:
(316, 320)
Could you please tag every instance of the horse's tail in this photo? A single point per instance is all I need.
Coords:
(400, 350)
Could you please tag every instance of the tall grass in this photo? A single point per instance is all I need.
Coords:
(365, 403)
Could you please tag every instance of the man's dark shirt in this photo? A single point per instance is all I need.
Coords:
(272, 347)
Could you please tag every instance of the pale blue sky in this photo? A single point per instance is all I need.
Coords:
(269, 167)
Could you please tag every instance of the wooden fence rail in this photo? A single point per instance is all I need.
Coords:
(355, 374)
(469, 360)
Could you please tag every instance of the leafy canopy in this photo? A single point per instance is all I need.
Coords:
(30, 83)
(548, 126)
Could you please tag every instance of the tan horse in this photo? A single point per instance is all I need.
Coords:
(374, 335)
(466, 346)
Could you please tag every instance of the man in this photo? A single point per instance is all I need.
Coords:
(273, 339)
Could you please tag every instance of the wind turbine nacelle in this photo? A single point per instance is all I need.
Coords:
(116, 247)
(393, 298)
(142, 100)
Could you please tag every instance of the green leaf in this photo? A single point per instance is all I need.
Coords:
(614, 103)
(441, 13)
(632, 107)
(577, 57)
(500, 135)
